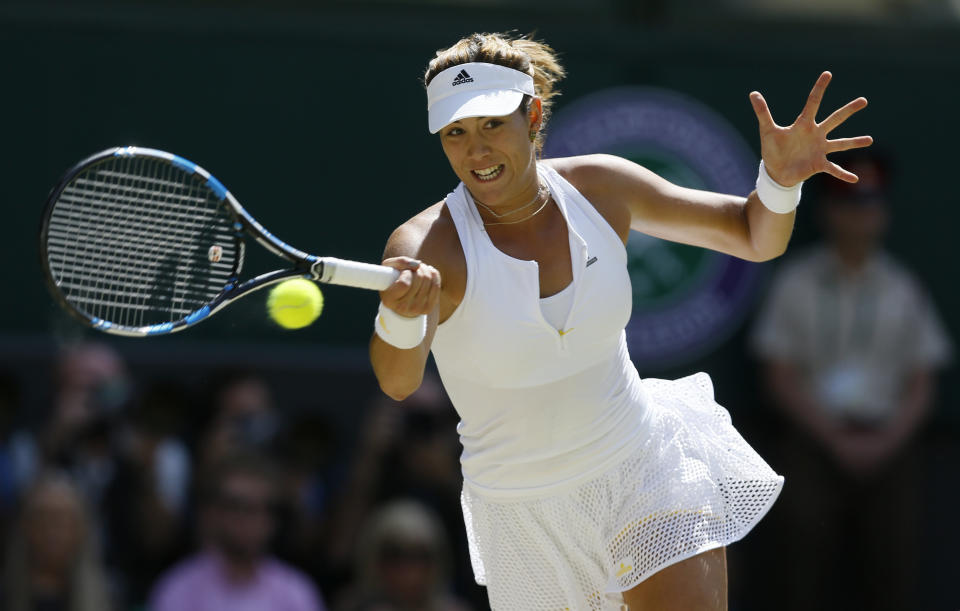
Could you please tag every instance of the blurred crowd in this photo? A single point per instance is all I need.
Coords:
(119, 495)
(217, 499)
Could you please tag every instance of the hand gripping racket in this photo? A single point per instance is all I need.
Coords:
(137, 242)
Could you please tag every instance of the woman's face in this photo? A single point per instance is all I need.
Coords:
(493, 156)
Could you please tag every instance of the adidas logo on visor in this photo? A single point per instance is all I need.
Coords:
(461, 78)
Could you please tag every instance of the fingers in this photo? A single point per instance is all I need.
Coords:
(845, 144)
(762, 111)
(816, 96)
(842, 114)
(434, 296)
(837, 172)
(426, 292)
(402, 263)
(415, 291)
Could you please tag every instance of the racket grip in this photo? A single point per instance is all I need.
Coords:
(356, 274)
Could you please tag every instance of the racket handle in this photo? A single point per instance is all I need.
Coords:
(356, 274)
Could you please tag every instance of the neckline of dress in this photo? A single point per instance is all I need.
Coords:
(478, 220)
(573, 237)
(558, 295)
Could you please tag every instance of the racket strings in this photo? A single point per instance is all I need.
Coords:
(129, 241)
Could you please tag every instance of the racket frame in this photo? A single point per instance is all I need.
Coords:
(318, 269)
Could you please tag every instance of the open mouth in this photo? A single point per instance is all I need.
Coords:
(488, 174)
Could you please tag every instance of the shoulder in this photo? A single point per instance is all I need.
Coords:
(280, 571)
(597, 178)
(585, 164)
(429, 236)
(178, 584)
(592, 173)
(895, 270)
(298, 587)
(186, 570)
(897, 280)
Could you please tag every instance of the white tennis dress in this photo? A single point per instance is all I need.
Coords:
(580, 480)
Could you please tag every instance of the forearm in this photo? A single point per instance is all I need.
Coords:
(400, 372)
(768, 232)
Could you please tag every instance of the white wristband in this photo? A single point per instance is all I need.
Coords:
(400, 331)
(775, 196)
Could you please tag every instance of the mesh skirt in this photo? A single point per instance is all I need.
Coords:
(692, 484)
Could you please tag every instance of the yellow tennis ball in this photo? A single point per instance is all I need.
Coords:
(294, 304)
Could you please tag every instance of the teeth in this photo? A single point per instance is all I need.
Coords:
(489, 173)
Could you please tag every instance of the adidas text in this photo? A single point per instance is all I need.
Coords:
(461, 78)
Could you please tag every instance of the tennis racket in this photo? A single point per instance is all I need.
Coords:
(138, 242)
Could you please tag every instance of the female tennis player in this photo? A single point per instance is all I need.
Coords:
(585, 487)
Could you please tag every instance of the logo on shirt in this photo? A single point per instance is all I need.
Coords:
(461, 78)
(686, 300)
(591, 261)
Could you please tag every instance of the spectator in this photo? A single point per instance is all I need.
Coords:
(306, 449)
(146, 503)
(91, 391)
(234, 571)
(407, 449)
(52, 562)
(401, 563)
(244, 418)
(81, 434)
(851, 345)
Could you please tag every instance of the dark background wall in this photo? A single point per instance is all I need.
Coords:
(314, 117)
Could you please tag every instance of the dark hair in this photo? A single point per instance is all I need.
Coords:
(533, 57)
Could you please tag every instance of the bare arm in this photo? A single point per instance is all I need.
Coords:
(738, 226)
(432, 282)
(415, 292)
(742, 227)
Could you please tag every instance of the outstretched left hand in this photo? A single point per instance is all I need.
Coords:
(795, 153)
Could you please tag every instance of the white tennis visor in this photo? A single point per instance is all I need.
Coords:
(475, 89)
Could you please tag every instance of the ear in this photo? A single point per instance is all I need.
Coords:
(535, 113)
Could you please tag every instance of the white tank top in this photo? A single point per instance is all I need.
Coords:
(541, 406)
(555, 307)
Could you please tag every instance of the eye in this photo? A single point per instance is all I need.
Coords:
(492, 123)
(454, 131)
